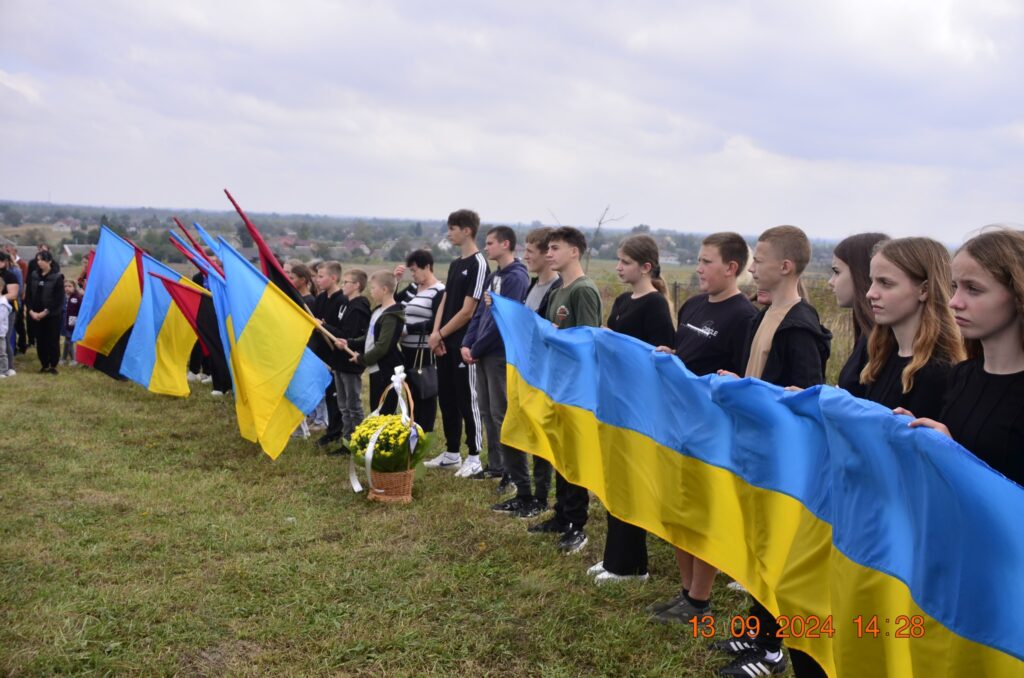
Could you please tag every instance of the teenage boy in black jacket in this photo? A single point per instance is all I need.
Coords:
(351, 321)
(787, 347)
(326, 307)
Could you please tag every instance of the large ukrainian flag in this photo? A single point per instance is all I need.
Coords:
(822, 505)
(113, 293)
(278, 380)
(157, 353)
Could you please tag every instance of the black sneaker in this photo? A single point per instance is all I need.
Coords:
(662, 605)
(572, 541)
(486, 474)
(754, 663)
(735, 646)
(680, 613)
(532, 509)
(550, 526)
(512, 505)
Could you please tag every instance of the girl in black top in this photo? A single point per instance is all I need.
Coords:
(915, 341)
(850, 281)
(983, 406)
(643, 313)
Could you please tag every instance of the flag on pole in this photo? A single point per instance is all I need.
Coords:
(196, 304)
(269, 264)
(278, 380)
(157, 353)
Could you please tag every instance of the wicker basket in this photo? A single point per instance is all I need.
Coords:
(391, 488)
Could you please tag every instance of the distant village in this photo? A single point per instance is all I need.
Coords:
(71, 230)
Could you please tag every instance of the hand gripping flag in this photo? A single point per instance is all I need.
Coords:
(111, 301)
(157, 353)
(827, 508)
(278, 380)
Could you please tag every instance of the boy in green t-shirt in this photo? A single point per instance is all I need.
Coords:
(576, 304)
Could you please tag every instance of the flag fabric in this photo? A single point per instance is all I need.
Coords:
(196, 304)
(156, 355)
(217, 286)
(269, 264)
(112, 295)
(900, 548)
(278, 380)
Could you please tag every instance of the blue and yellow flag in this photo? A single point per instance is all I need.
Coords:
(113, 293)
(157, 353)
(278, 380)
(890, 551)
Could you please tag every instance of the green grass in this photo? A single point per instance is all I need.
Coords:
(141, 535)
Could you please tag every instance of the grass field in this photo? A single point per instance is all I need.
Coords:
(142, 536)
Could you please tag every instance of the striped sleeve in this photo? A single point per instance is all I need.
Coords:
(481, 275)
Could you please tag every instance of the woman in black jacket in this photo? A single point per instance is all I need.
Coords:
(47, 299)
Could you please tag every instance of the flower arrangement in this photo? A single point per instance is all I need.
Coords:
(391, 453)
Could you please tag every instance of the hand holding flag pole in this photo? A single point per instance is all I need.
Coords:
(272, 269)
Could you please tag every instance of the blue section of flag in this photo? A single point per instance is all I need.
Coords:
(140, 351)
(113, 256)
(311, 380)
(909, 503)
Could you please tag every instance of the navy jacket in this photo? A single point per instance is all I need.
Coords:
(482, 336)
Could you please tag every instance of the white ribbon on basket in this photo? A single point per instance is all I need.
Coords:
(397, 383)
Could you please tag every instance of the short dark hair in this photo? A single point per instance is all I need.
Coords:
(422, 259)
(570, 236)
(4, 256)
(539, 237)
(465, 219)
(504, 234)
(44, 255)
(789, 242)
(731, 247)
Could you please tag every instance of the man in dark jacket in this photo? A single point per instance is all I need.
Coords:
(483, 346)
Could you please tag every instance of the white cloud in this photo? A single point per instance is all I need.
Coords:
(837, 116)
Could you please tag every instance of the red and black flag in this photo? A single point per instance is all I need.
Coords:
(269, 264)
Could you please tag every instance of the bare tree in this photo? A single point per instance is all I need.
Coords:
(601, 221)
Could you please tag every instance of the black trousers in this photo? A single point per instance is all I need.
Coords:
(625, 549)
(378, 382)
(19, 328)
(456, 395)
(571, 503)
(542, 470)
(425, 408)
(48, 340)
(334, 423)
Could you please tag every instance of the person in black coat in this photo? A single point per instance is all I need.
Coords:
(47, 301)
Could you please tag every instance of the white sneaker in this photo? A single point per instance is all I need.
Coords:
(736, 586)
(192, 376)
(205, 379)
(216, 394)
(448, 460)
(470, 466)
(596, 569)
(3, 376)
(607, 577)
(10, 373)
(73, 363)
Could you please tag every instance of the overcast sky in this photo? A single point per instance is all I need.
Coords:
(838, 116)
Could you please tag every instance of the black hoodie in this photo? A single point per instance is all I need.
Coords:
(352, 321)
(800, 348)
